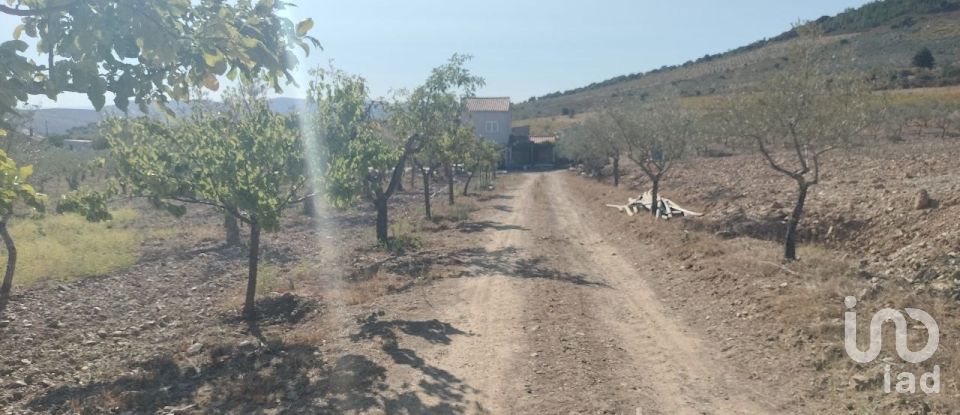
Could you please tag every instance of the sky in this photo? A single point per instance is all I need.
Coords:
(525, 48)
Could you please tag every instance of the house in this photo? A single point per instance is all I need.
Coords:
(491, 119)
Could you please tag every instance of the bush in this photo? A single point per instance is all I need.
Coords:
(924, 59)
(402, 238)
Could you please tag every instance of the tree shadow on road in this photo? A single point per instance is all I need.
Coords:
(452, 392)
(509, 262)
(481, 226)
(495, 197)
(477, 262)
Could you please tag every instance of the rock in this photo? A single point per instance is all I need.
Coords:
(922, 200)
(18, 384)
(194, 349)
(859, 382)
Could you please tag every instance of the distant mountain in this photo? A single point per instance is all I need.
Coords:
(883, 36)
(54, 121)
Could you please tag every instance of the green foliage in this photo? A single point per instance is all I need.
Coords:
(353, 152)
(246, 160)
(67, 247)
(924, 59)
(14, 187)
(91, 205)
(434, 109)
(403, 239)
(147, 51)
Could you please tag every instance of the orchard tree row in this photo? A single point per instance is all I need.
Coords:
(791, 120)
(239, 156)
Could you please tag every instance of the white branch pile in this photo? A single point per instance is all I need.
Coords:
(666, 208)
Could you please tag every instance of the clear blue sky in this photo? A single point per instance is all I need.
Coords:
(528, 48)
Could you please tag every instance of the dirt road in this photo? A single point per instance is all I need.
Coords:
(550, 317)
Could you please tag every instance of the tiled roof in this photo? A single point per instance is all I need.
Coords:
(540, 139)
(488, 104)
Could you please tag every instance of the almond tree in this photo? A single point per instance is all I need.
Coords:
(656, 136)
(246, 161)
(797, 116)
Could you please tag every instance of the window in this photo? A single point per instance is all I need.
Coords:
(492, 127)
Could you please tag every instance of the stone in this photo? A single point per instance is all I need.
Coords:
(921, 200)
(194, 349)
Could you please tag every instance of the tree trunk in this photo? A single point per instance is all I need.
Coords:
(426, 194)
(466, 186)
(655, 193)
(450, 192)
(413, 177)
(11, 261)
(232, 229)
(382, 220)
(790, 242)
(310, 206)
(616, 171)
(250, 306)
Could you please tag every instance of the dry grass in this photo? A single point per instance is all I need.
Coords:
(64, 248)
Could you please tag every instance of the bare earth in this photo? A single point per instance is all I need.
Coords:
(550, 317)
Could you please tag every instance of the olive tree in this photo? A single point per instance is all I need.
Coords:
(246, 161)
(797, 116)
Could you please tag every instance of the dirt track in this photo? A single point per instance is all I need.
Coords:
(549, 317)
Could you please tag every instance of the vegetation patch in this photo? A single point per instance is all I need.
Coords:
(64, 248)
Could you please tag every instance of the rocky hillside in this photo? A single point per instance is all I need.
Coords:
(882, 37)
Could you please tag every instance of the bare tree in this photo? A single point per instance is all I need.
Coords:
(656, 136)
(800, 114)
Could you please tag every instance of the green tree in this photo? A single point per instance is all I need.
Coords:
(434, 110)
(354, 155)
(247, 162)
(13, 189)
(482, 157)
(924, 59)
(145, 50)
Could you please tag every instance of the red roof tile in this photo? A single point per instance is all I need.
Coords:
(487, 104)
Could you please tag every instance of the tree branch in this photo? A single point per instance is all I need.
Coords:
(36, 12)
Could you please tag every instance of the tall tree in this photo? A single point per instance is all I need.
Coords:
(805, 112)
(247, 162)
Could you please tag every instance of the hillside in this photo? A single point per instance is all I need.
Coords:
(53, 121)
(882, 38)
